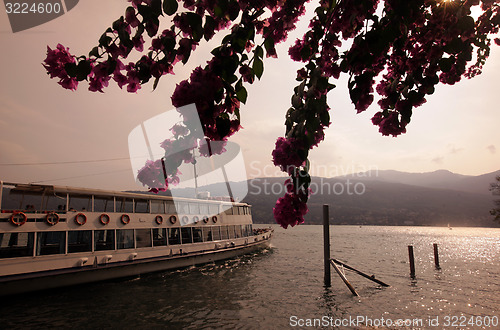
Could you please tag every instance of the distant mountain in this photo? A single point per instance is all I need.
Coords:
(378, 203)
(442, 179)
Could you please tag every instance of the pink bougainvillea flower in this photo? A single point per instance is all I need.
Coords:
(289, 210)
(55, 63)
(285, 153)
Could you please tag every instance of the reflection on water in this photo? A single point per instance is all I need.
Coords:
(265, 289)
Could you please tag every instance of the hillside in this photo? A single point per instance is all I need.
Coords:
(381, 203)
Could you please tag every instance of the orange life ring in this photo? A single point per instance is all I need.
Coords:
(173, 219)
(104, 218)
(184, 220)
(159, 219)
(125, 218)
(18, 218)
(205, 219)
(52, 218)
(196, 219)
(214, 219)
(83, 218)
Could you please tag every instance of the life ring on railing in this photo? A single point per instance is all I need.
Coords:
(205, 219)
(83, 218)
(18, 218)
(52, 218)
(196, 219)
(104, 219)
(184, 220)
(214, 219)
(125, 218)
(159, 219)
(173, 219)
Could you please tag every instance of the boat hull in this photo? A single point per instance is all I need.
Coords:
(16, 284)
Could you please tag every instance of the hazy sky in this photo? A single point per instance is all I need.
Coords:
(40, 122)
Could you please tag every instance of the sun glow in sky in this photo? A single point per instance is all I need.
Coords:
(457, 129)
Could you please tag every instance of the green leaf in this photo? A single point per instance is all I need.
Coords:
(70, 69)
(259, 52)
(94, 52)
(269, 45)
(258, 67)
(155, 84)
(105, 40)
(324, 117)
(83, 69)
(170, 7)
(242, 94)
(195, 22)
(209, 27)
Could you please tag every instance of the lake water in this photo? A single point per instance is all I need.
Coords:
(283, 287)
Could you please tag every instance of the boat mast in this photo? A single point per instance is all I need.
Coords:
(1, 191)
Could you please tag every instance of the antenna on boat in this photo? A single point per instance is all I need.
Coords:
(228, 186)
(195, 176)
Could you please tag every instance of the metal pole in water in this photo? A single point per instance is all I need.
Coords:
(412, 261)
(436, 256)
(326, 245)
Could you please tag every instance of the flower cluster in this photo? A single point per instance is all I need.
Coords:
(286, 154)
(290, 210)
(55, 64)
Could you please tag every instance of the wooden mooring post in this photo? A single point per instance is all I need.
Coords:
(342, 276)
(412, 260)
(371, 278)
(326, 245)
(436, 256)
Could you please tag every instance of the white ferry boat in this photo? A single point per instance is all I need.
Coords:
(53, 236)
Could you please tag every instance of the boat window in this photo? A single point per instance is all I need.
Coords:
(124, 238)
(197, 235)
(11, 201)
(182, 208)
(79, 241)
(244, 232)
(160, 236)
(231, 231)
(13, 245)
(51, 203)
(103, 204)
(157, 207)
(216, 233)
(124, 205)
(143, 238)
(170, 207)
(51, 242)
(204, 209)
(80, 203)
(141, 206)
(249, 230)
(104, 240)
(194, 208)
(237, 230)
(186, 235)
(213, 209)
(223, 232)
(174, 236)
(207, 234)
